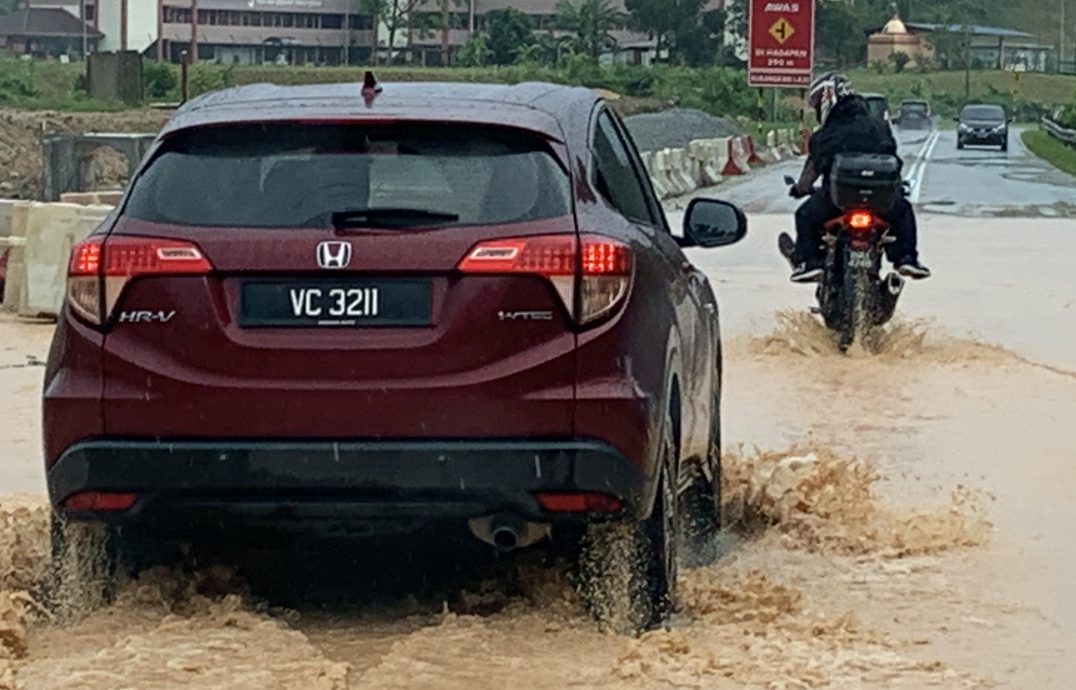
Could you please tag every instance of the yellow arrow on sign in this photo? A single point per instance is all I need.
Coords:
(782, 30)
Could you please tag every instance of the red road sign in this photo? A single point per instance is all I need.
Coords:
(781, 45)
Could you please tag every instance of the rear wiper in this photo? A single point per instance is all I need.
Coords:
(391, 218)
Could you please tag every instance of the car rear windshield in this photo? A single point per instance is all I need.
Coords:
(878, 106)
(300, 175)
(920, 108)
(990, 113)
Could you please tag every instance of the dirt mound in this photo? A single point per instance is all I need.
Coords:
(675, 128)
(22, 132)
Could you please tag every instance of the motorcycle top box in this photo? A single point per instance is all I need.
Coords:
(867, 181)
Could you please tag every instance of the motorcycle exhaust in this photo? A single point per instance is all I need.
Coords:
(507, 532)
(891, 289)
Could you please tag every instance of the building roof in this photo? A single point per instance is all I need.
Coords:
(921, 27)
(51, 21)
(996, 31)
(895, 26)
(542, 108)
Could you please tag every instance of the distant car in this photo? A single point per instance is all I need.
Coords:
(983, 125)
(913, 115)
(878, 104)
(455, 305)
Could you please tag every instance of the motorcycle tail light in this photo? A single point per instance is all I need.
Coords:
(861, 220)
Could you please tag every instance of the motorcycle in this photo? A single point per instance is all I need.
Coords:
(852, 296)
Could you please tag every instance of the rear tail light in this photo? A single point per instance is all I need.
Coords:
(99, 501)
(578, 502)
(102, 266)
(861, 220)
(591, 273)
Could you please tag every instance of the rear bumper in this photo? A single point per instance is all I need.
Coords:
(991, 139)
(193, 484)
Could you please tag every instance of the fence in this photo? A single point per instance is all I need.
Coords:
(1058, 132)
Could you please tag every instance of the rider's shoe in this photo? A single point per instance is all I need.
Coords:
(807, 272)
(911, 268)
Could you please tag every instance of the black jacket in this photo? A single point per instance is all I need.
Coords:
(850, 128)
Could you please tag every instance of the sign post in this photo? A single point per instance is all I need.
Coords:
(781, 43)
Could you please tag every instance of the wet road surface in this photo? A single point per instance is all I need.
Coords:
(976, 182)
(851, 582)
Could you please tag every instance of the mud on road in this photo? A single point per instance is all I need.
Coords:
(883, 536)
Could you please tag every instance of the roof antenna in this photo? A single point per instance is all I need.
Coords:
(370, 88)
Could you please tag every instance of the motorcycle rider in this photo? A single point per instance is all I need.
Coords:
(847, 127)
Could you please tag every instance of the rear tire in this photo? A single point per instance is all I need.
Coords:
(83, 568)
(959, 145)
(849, 311)
(629, 568)
(701, 501)
(90, 561)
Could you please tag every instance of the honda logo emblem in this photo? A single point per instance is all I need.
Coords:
(334, 254)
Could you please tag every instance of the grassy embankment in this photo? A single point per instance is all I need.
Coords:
(723, 91)
(1057, 153)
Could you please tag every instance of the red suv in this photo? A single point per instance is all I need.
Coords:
(320, 308)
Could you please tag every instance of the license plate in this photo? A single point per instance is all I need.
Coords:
(860, 260)
(334, 303)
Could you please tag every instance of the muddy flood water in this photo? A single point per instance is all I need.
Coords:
(896, 518)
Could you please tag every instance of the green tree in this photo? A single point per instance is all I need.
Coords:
(589, 24)
(474, 53)
(900, 60)
(839, 31)
(668, 21)
(509, 32)
(395, 15)
(703, 44)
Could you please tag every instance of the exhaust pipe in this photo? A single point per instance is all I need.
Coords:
(507, 532)
(887, 300)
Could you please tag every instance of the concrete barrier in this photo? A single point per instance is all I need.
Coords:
(656, 181)
(704, 152)
(741, 153)
(784, 143)
(91, 198)
(15, 273)
(682, 169)
(51, 231)
(661, 174)
(735, 157)
(753, 158)
(772, 154)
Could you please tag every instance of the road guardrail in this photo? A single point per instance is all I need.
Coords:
(1058, 132)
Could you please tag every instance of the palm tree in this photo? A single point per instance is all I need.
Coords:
(589, 24)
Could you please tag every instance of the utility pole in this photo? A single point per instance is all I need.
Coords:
(344, 58)
(85, 32)
(1061, 39)
(445, 28)
(194, 31)
(967, 62)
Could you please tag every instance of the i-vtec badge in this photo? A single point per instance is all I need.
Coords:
(525, 315)
(146, 316)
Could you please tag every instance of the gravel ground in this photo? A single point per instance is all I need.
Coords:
(675, 128)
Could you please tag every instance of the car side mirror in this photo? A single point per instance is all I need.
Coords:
(709, 223)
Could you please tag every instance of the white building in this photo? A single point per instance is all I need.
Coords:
(127, 24)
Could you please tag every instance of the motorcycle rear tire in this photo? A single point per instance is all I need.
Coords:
(852, 308)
